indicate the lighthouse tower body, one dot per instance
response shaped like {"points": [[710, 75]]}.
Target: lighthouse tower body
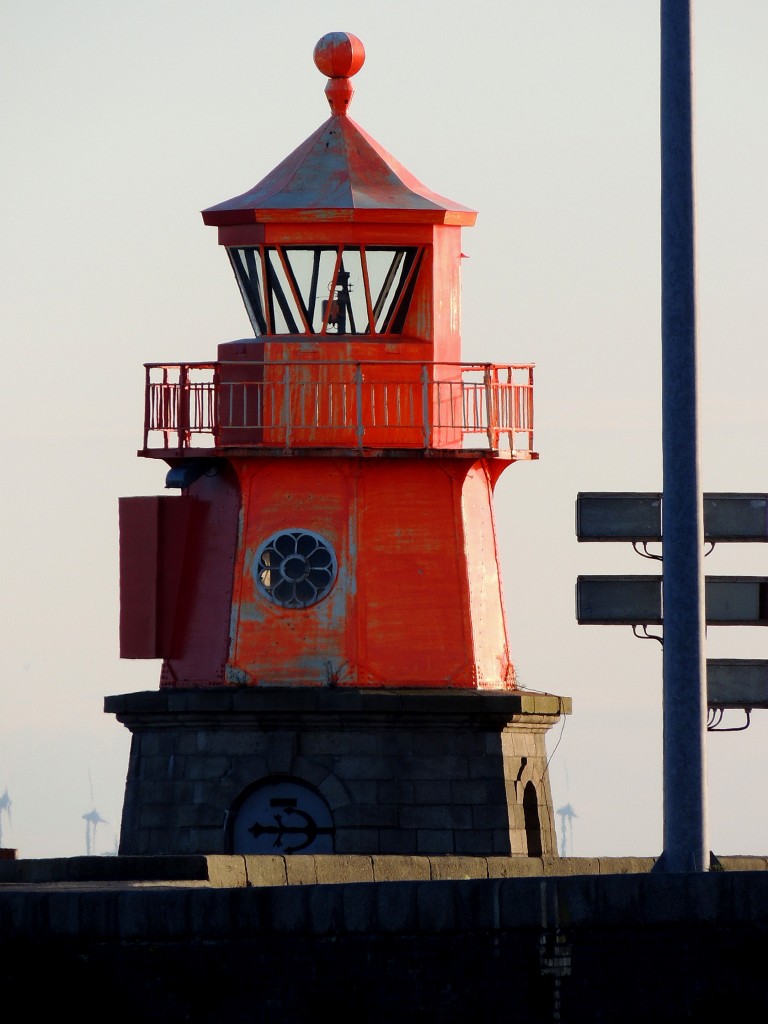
{"points": [[331, 551]]}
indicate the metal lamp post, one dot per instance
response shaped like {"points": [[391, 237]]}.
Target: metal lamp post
{"points": [[686, 845]]}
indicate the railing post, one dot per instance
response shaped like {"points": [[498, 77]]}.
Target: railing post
{"points": [[359, 404], [529, 420], [182, 406], [427, 434], [214, 404], [147, 405], [287, 404], [489, 407], [168, 408]]}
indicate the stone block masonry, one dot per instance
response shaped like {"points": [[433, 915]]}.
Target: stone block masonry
{"points": [[399, 772]]}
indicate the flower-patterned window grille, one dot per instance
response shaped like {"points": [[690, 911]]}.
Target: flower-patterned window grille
{"points": [[295, 568]]}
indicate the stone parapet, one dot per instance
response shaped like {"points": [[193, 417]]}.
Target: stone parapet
{"points": [[243, 871], [627, 947]]}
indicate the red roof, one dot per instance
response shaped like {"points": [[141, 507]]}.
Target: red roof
{"points": [[338, 170]]}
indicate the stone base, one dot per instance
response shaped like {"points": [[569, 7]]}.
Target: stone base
{"points": [[304, 770]]}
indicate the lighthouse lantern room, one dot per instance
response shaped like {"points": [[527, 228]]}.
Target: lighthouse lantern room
{"points": [[322, 587]]}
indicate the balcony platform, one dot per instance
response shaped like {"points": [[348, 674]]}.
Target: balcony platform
{"points": [[343, 407], [251, 452]]}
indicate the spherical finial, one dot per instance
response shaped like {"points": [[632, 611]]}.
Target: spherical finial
{"points": [[339, 55]]}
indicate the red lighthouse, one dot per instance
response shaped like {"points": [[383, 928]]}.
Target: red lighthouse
{"points": [[331, 552]]}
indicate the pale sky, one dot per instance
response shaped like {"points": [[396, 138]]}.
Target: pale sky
{"points": [[122, 121]]}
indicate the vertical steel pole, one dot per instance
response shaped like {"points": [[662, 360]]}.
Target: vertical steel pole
{"points": [[686, 843]]}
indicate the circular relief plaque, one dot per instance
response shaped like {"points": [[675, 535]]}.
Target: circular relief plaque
{"points": [[283, 816]]}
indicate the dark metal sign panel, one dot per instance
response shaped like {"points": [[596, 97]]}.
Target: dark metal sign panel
{"points": [[737, 683], [736, 517], [627, 516], [637, 600], [618, 600], [637, 516]]}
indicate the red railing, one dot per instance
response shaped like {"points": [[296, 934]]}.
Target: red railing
{"points": [[191, 406]]}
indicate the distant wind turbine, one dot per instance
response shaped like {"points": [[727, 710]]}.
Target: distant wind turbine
{"points": [[92, 819], [567, 814], [5, 809]]}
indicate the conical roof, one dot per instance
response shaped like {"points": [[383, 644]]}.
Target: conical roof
{"points": [[339, 172]]}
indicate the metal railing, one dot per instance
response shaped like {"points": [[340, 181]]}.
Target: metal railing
{"points": [[191, 406]]}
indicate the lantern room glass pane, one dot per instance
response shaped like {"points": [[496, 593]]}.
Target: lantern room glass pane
{"points": [[326, 289], [349, 311], [314, 271], [388, 271], [247, 266], [284, 313]]}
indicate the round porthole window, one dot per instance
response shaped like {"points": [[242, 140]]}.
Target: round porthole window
{"points": [[295, 568]]}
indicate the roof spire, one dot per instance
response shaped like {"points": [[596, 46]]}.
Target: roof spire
{"points": [[339, 55]]}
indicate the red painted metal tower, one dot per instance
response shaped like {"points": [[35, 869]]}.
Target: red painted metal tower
{"points": [[334, 530]]}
